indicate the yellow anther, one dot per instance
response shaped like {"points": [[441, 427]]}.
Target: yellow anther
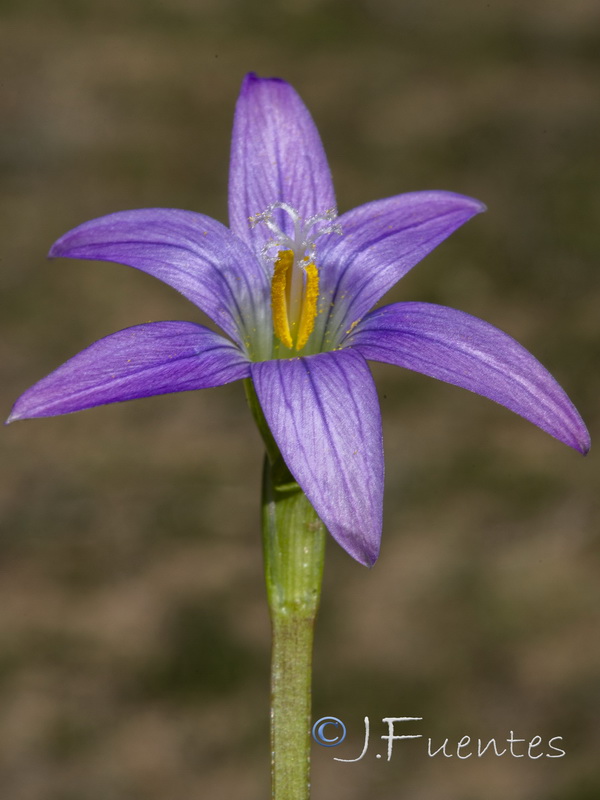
{"points": [[309, 305], [293, 333], [279, 306]]}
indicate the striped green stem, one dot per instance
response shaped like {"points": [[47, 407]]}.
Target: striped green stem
{"points": [[294, 546]]}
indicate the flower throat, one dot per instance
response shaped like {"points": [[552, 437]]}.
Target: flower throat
{"points": [[295, 281]]}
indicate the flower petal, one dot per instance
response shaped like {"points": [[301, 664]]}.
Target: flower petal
{"points": [[324, 414], [193, 253], [156, 358], [276, 156], [380, 242], [460, 349]]}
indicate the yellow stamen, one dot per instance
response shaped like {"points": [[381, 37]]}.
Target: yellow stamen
{"points": [[309, 306], [294, 333], [281, 324]]}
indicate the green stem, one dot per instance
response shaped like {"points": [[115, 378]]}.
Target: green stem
{"points": [[294, 546], [293, 541]]}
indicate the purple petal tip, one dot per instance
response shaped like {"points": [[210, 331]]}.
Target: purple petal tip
{"points": [[56, 250], [585, 445], [252, 77]]}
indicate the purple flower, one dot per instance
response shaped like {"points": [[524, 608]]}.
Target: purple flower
{"points": [[292, 286]]}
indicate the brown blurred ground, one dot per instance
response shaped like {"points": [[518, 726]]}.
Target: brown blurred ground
{"points": [[133, 631]]}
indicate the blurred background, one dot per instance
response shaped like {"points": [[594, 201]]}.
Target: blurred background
{"points": [[134, 635]]}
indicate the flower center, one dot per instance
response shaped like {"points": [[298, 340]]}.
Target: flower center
{"points": [[295, 281]]}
